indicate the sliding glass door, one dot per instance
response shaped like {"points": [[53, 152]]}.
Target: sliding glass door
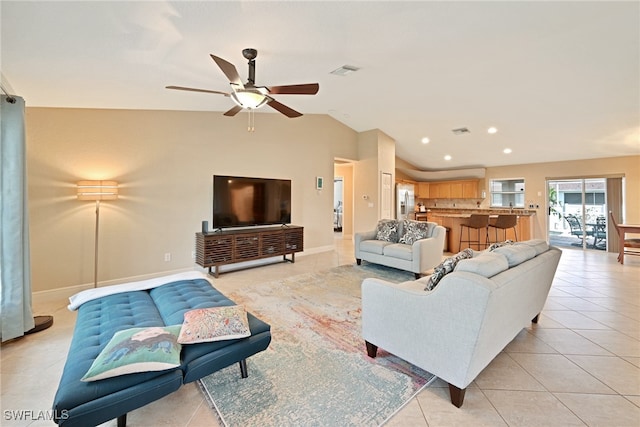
{"points": [[577, 211]]}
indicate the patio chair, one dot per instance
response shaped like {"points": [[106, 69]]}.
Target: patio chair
{"points": [[576, 228], [600, 233]]}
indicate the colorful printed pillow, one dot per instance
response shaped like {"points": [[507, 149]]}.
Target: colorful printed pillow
{"points": [[499, 245], [414, 231], [137, 350], [214, 324], [387, 230], [446, 267]]}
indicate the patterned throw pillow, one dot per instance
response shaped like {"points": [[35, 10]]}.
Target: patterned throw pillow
{"points": [[414, 231], [446, 267], [137, 350], [214, 324], [500, 244], [387, 230]]}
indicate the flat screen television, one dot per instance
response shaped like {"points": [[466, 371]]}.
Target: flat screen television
{"points": [[244, 201]]}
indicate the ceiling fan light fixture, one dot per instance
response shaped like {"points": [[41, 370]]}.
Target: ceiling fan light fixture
{"points": [[248, 98]]}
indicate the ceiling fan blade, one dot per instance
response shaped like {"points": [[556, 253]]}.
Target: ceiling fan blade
{"points": [[229, 70], [303, 89], [197, 90], [289, 112], [232, 112]]}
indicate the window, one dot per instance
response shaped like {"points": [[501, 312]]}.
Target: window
{"points": [[507, 193]]}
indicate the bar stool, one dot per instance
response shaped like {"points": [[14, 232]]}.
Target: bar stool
{"points": [[504, 222], [477, 222]]}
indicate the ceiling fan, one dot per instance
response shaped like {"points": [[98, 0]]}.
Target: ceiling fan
{"points": [[250, 96]]}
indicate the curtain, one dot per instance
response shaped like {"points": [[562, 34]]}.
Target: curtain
{"points": [[614, 204], [16, 316]]}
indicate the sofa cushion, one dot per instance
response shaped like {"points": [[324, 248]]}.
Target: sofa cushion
{"points": [[412, 231], [399, 250], [374, 246], [214, 324], [538, 245], [446, 267], [497, 245], [516, 254], [387, 230], [137, 350], [486, 264]]}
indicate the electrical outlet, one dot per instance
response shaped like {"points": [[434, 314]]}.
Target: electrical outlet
{"points": [[167, 257], [193, 254]]}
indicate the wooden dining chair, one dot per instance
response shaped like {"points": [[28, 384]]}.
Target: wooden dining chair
{"points": [[628, 243]]}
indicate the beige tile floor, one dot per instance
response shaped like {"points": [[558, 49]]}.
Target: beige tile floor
{"points": [[580, 365]]}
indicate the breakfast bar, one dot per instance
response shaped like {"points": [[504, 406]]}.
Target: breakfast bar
{"points": [[453, 218]]}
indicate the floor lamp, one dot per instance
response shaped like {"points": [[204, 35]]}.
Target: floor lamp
{"points": [[98, 191]]}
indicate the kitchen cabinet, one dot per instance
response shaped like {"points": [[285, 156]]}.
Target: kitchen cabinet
{"points": [[463, 189], [423, 190], [470, 189]]}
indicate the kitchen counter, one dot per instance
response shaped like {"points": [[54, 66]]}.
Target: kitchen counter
{"points": [[462, 212], [452, 218]]}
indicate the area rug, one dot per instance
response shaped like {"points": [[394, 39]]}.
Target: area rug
{"points": [[315, 371]]}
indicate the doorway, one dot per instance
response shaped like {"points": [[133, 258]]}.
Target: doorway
{"points": [[338, 203], [577, 213]]}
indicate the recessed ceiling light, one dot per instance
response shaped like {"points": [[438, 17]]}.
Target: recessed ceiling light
{"points": [[492, 130], [507, 151], [425, 140], [447, 157]]}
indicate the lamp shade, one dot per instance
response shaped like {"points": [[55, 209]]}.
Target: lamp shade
{"points": [[249, 98], [97, 190]]}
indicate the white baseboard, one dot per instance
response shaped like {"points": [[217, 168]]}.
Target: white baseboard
{"points": [[66, 292]]}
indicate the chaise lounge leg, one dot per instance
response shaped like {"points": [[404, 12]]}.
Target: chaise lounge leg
{"points": [[122, 420], [243, 368], [535, 319], [358, 261], [372, 350], [418, 275], [457, 395]]}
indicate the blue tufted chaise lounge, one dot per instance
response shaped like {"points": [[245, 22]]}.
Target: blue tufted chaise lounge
{"points": [[80, 403]]}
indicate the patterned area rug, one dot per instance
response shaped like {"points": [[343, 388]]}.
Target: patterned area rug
{"points": [[315, 371]]}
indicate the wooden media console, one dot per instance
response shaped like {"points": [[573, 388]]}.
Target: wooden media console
{"points": [[230, 246]]}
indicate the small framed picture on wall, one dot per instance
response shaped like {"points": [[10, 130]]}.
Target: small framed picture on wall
{"points": [[319, 183]]}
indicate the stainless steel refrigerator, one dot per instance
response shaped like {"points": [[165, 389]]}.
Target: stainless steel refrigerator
{"points": [[405, 201]]}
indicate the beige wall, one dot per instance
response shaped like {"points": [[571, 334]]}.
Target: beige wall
{"points": [[536, 174], [164, 162], [376, 154]]}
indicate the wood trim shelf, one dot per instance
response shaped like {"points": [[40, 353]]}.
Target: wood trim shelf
{"points": [[230, 246]]}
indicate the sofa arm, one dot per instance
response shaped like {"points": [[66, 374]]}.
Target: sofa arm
{"points": [[361, 237], [434, 330], [428, 252]]}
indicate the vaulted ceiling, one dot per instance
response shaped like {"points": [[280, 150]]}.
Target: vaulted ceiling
{"points": [[558, 80]]}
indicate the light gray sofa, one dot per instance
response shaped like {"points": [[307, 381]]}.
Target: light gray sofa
{"points": [[455, 330], [417, 256]]}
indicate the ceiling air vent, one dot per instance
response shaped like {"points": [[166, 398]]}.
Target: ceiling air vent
{"points": [[460, 131], [344, 70]]}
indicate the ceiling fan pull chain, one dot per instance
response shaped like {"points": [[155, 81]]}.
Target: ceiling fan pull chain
{"points": [[251, 127]]}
